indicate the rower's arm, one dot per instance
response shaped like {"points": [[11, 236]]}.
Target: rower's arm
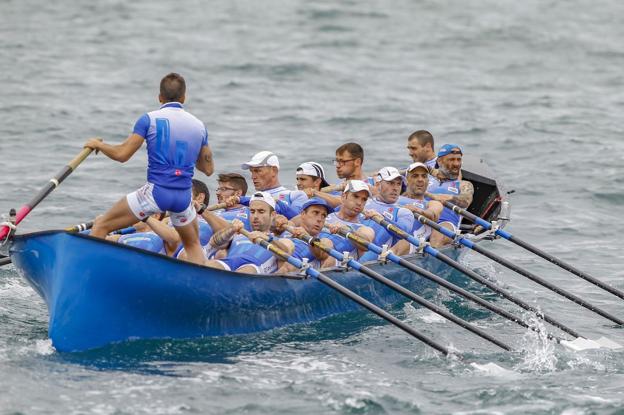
{"points": [[222, 238], [433, 211], [205, 163], [168, 234], [215, 222], [119, 152], [333, 201], [463, 200]]}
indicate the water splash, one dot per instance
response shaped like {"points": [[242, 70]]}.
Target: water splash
{"points": [[538, 351]]}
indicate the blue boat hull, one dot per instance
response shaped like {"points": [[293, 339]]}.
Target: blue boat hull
{"points": [[99, 292]]}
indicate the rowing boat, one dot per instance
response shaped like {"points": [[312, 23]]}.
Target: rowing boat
{"points": [[98, 292]]}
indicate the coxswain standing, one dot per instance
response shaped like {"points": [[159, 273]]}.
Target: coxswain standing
{"points": [[177, 142]]}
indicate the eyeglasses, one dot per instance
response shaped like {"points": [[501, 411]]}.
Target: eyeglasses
{"points": [[225, 189], [338, 162]]}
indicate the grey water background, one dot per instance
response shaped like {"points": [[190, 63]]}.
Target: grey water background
{"points": [[535, 88]]}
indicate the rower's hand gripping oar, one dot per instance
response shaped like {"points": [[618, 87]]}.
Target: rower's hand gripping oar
{"points": [[579, 343], [399, 288], [311, 272], [52, 184], [471, 245], [504, 234]]}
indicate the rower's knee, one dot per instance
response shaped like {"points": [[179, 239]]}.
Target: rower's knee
{"points": [[366, 233], [247, 269], [401, 248], [214, 264], [438, 240]]}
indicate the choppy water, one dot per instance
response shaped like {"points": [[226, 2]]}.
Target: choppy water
{"points": [[536, 88]]}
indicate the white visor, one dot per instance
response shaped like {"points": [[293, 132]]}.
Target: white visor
{"points": [[262, 159]]}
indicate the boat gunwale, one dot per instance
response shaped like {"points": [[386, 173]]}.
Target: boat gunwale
{"points": [[289, 276]]}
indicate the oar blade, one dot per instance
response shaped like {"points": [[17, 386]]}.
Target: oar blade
{"points": [[580, 344], [609, 344]]}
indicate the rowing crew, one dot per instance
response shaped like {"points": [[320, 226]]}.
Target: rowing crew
{"points": [[177, 142]]}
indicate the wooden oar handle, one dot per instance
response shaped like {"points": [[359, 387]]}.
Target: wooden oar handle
{"points": [[80, 158]]}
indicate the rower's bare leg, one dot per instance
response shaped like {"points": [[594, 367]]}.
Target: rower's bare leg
{"points": [[214, 264], [190, 239], [247, 269], [438, 240], [401, 248], [117, 217]]}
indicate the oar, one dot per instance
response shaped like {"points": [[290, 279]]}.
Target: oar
{"points": [[441, 281], [471, 245], [487, 225], [399, 288], [346, 292], [80, 228], [47, 189], [5, 261], [580, 342]]}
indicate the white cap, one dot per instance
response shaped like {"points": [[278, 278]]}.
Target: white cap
{"points": [[388, 174], [261, 159], [354, 186], [311, 168], [416, 165], [263, 197]]}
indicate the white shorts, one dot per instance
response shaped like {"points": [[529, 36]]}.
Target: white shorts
{"points": [[142, 204]]}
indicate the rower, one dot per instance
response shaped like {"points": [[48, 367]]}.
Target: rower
{"points": [[177, 142], [349, 160], [243, 255], [421, 148], [231, 187], [390, 184], [264, 169], [445, 185], [414, 199], [353, 198], [311, 179], [313, 217]]}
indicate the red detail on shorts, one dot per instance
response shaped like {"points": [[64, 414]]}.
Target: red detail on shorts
{"points": [[178, 172], [141, 214], [183, 220]]}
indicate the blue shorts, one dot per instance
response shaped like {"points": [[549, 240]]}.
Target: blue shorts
{"points": [[451, 217]]}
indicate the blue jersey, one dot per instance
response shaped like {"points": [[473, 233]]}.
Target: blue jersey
{"points": [[418, 230], [448, 187], [293, 198], [394, 212], [144, 240], [382, 236], [242, 252], [174, 140]]}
